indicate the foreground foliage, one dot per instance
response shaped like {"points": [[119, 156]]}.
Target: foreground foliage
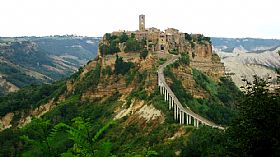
{"points": [[255, 132]]}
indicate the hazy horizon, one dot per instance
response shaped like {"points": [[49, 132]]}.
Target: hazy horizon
{"points": [[214, 18]]}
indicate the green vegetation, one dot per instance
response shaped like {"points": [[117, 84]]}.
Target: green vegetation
{"points": [[143, 54], [16, 76], [89, 81], [174, 51], [123, 38], [206, 142], [223, 96], [197, 38], [183, 60], [188, 37], [78, 47], [202, 39], [110, 48], [31, 55], [131, 45], [30, 97], [254, 132], [78, 135], [162, 61], [79, 127], [122, 67]]}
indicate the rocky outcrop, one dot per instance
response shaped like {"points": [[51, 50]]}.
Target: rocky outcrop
{"points": [[202, 53], [212, 69], [25, 118], [7, 86], [141, 113], [5, 122]]}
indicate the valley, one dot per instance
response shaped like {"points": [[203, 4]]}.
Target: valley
{"points": [[36, 60], [144, 93]]}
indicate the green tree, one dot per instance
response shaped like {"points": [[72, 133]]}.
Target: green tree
{"points": [[44, 139], [39, 130], [122, 67], [185, 59], [188, 37], [113, 48], [143, 54], [205, 142], [132, 45], [123, 38], [256, 131], [104, 49]]}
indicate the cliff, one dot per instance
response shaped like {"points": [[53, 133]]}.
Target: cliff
{"points": [[123, 86]]}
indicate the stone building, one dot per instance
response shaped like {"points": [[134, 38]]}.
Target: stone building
{"points": [[170, 40]]}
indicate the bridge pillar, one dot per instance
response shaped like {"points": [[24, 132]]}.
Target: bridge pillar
{"points": [[175, 107], [178, 112], [183, 117], [180, 118], [196, 122], [164, 93]]}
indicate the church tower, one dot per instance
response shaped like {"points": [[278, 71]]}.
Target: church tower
{"points": [[141, 22]]}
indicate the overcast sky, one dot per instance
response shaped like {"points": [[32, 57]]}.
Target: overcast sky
{"points": [[221, 18]]}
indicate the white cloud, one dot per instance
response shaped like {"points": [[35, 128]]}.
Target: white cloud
{"points": [[229, 18]]}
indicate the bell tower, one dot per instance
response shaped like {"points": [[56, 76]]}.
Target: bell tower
{"points": [[142, 22]]}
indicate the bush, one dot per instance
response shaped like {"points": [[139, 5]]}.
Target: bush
{"points": [[122, 67], [132, 45], [185, 59], [174, 51], [30, 97], [204, 82], [90, 81], [143, 54]]}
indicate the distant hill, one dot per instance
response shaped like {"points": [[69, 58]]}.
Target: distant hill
{"points": [[35, 60], [247, 44], [244, 57]]}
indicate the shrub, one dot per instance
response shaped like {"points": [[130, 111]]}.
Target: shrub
{"points": [[144, 54], [122, 67]]}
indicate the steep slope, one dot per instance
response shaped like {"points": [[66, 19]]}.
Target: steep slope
{"points": [[34, 60], [123, 88]]}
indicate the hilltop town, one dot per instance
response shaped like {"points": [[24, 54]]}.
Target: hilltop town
{"points": [[169, 41]]}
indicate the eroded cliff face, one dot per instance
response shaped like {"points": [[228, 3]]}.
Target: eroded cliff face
{"points": [[110, 84], [21, 118], [203, 59], [202, 53], [5, 122]]}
